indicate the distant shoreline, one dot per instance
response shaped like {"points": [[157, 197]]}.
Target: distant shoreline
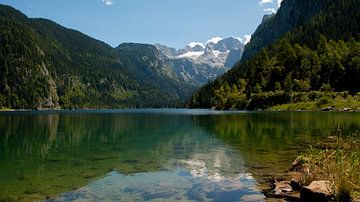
{"points": [[347, 110]]}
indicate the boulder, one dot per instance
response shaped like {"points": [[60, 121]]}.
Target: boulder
{"points": [[317, 191], [327, 109], [347, 109], [282, 187], [282, 192], [295, 184]]}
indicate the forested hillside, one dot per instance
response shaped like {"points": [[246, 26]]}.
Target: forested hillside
{"points": [[316, 61], [291, 14], [45, 65]]}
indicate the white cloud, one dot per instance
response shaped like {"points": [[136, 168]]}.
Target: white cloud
{"points": [[269, 10], [238, 38], [262, 2], [108, 2], [272, 3], [246, 39]]}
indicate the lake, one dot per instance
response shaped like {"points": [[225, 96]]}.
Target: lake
{"points": [[153, 154]]}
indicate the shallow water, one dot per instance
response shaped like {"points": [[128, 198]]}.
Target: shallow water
{"points": [[153, 155]]}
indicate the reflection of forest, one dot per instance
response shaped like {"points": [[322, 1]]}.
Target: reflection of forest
{"points": [[269, 142], [45, 154], [51, 153]]}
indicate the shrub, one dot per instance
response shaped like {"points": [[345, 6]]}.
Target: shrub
{"points": [[266, 100], [323, 101]]}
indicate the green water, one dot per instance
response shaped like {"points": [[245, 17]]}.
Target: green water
{"points": [[137, 155]]}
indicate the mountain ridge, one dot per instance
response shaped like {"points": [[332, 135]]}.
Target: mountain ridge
{"points": [[46, 65], [199, 63], [276, 25], [315, 61]]}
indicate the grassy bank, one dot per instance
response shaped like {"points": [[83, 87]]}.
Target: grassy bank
{"points": [[5, 109], [321, 102], [336, 159]]}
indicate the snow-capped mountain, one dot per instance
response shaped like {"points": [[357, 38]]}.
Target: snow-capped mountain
{"points": [[200, 62], [215, 51]]}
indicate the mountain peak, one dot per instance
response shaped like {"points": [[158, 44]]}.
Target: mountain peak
{"points": [[214, 40], [196, 43]]}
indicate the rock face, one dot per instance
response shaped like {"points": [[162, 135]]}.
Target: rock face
{"points": [[233, 57], [317, 191], [166, 52], [193, 72], [199, 63], [225, 45], [292, 14]]}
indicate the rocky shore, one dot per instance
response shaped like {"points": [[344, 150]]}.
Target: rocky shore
{"points": [[327, 172], [289, 187]]}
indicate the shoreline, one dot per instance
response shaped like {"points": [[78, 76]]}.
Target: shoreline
{"points": [[272, 109], [340, 106], [319, 173]]}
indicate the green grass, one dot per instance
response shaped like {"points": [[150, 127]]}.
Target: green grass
{"points": [[336, 102], [338, 161], [5, 109]]}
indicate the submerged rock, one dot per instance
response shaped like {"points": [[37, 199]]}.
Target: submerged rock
{"points": [[147, 196], [253, 198], [317, 191]]}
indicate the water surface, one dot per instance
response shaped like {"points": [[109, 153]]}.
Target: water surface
{"points": [[152, 155]]}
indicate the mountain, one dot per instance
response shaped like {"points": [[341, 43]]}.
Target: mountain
{"points": [[199, 63], [308, 52], [45, 65], [193, 47], [291, 14], [166, 52], [233, 57]]}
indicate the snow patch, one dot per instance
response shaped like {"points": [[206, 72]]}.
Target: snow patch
{"points": [[214, 40], [194, 54], [217, 53], [195, 43]]}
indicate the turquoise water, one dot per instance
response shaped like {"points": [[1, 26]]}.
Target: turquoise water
{"points": [[153, 155]]}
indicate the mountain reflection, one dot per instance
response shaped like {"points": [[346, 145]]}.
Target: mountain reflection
{"points": [[45, 154]]}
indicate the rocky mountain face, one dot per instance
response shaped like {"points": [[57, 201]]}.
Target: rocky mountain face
{"points": [[291, 14], [199, 63], [45, 65]]}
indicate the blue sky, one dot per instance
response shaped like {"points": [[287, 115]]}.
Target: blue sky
{"points": [[170, 22]]}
